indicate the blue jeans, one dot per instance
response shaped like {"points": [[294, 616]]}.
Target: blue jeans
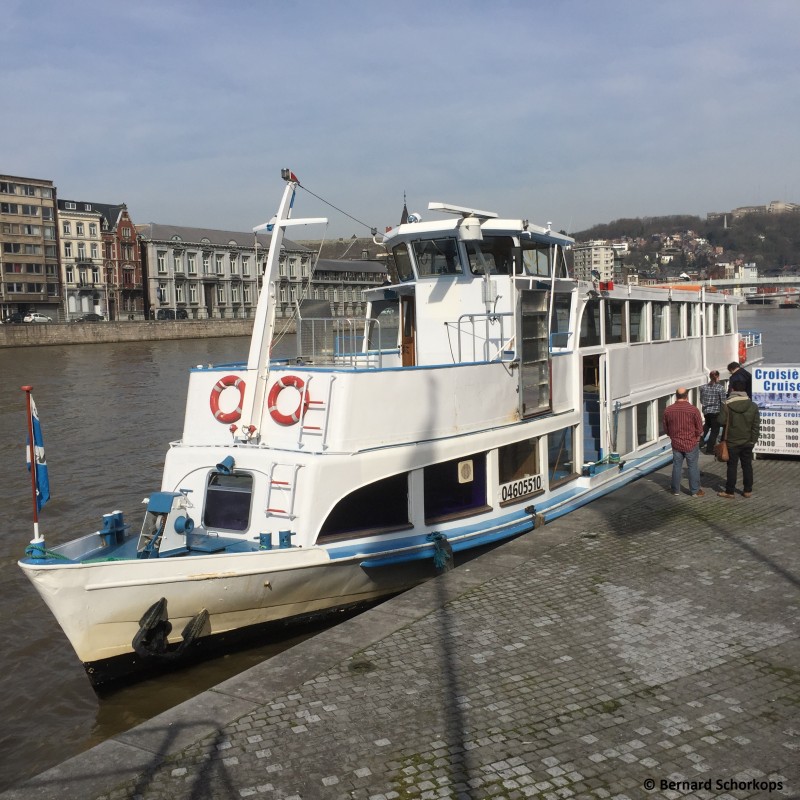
{"points": [[692, 462]]}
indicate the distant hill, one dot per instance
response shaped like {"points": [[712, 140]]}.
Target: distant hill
{"points": [[772, 241]]}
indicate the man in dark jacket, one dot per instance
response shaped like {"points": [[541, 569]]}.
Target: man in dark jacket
{"points": [[740, 381], [741, 422]]}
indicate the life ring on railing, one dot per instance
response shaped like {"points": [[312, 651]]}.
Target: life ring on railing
{"points": [[742, 351], [272, 400], [219, 386]]}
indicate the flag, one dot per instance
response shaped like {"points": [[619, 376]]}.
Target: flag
{"points": [[42, 478]]}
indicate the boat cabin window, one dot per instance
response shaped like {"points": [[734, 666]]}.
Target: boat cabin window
{"points": [[662, 404], [561, 456], [494, 255], [615, 322], [675, 327], [228, 500], [437, 257], [691, 319], [520, 476], [383, 324], [658, 319], [644, 426], [560, 329], [590, 323], [377, 507], [636, 320], [455, 488], [402, 263]]}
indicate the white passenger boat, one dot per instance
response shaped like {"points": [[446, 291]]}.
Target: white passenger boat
{"points": [[487, 393]]}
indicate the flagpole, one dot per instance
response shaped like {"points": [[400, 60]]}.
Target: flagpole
{"points": [[32, 455]]}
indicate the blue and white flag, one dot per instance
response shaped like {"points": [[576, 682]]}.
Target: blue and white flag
{"points": [[42, 478]]}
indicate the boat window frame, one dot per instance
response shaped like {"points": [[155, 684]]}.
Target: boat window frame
{"points": [[433, 486], [221, 490], [609, 304], [401, 255], [641, 327], [478, 245], [454, 266], [566, 477]]}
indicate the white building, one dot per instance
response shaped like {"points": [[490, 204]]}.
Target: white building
{"points": [[593, 257], [82, 273]]}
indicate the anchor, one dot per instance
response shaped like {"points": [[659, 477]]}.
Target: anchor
{"points": [[151, 640]]}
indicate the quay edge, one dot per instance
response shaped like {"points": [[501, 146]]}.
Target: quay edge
{"points": [[644, 625]]}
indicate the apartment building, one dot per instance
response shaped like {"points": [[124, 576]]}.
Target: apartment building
{"points": [[86, 288], [593, 261], [199, 273], [29, 274]]}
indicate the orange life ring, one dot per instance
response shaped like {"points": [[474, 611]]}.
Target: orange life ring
{"points": [[219, 386], [742, 351], [272, 400]]}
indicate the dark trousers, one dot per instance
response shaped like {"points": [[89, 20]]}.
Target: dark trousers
{"points": [[711, 424], [740, 453]]}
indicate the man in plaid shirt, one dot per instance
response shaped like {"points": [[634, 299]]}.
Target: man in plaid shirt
{"points": [[684, 426], [712, 396]]}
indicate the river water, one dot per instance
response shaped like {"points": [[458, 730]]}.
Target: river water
{"points": [[108, 412]]}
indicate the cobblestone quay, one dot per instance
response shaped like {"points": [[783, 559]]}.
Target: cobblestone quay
{"points": [[644, 646]]}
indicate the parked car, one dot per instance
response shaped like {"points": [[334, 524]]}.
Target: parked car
{"points": [[89, 318], [35, 316], [169, 313], [14, 318]]}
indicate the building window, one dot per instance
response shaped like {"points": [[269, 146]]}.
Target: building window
{"points": [[179, 293], [67, 249], [246, 293], [245, 265], [81, 250], [66, 229], [94, 250], [163, 294], [219, 263], [162, 262], [178, 261], [95, 275], [192, 259], [234, 264], [79, 229], [92, 229], [220, 295], [234, 294], [192, 292], [206, 264]]}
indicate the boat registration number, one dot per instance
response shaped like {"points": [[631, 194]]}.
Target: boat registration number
{"points": [[523, 487]]}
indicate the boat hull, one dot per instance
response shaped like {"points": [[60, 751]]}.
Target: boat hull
{"points": [[100, 606]]}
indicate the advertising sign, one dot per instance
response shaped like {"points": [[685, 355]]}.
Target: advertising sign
{"points": [[776, 391]]}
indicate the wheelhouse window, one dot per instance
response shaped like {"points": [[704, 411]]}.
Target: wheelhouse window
{"points": [[402, 263], [615, 322], [493, 256], [561, 456], [228, 501], [520, 476], [376, 507], [455, 488], [691, 319], [437, 257]]}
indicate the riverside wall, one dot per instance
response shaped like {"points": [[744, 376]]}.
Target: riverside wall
{"points": [[39, 334]]}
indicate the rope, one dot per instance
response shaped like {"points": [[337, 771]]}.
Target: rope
{"points": [[370, 228], [42, 553], [442, 552]]}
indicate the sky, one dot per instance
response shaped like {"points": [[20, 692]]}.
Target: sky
{"points": [[574, 113]]}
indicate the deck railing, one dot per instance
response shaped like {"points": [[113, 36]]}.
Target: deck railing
{"points": [[339, 341], [492, 347]]}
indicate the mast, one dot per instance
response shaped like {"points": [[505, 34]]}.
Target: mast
{"points": [[264, 323]]}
